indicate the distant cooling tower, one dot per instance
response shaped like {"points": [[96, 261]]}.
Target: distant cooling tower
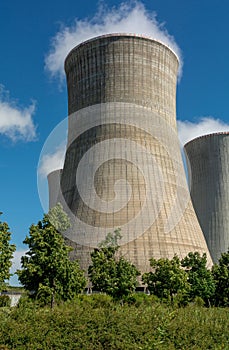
{"points": [[208, 158], [123, 166], [54, 186]]}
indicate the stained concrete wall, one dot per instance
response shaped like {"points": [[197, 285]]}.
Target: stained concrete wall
{"points": [[123, 68], [208, 158], [123, 166], [54, 186]]}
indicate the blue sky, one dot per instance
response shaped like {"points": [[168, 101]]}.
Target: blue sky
{"points": [[33, 96]]}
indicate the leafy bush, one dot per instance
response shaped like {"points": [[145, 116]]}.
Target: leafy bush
{"points": [[4, 300], [110, 274], [6, 253], [100, 300], [179, 282], [220, 273], [46, 267], [198, 302], [96, 322], [141, 299], [167, 278], [3, 347]]}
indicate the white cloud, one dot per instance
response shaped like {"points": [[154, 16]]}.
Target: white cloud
{"points": [[15, 122], [205, 125], [16, 261], [16, 265], [52, 161], [127, 18]]}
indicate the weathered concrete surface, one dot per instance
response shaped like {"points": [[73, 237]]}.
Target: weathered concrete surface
{"points": [[122, 98], [54, 186], [208, 158]]}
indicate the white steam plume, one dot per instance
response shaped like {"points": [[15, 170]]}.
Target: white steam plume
{"points": [[52, 161], [15, 122], [132, 18], [205, 125]]}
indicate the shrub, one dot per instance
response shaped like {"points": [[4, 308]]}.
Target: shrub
{"points": [[100, 300], [85, 324], [4, 301], [3, 347]]}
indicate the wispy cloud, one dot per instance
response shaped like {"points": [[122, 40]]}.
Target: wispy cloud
{"points": [[204, 125], [52, 161], [15, 122], [129, 17], [16, 265]]}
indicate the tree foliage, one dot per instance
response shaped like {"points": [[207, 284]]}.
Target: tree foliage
{"points": [[46, 268], [6, 253], [111, 239], [220, 273], [200, 278], [108, 273], [97, 322], [58, 218], [167, 278]]}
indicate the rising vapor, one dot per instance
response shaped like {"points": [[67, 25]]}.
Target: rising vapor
{"points": [[205, 125], [127, 18], [52, 161]]}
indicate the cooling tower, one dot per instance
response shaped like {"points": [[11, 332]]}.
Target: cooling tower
{"points": [[54, 186], [208, 158], [123, 167]]}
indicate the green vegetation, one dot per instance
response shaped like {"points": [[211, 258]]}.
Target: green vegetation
{"points": [[111, 274], [220, 273], [58, 218], [4, 300], [167, 279], [47, 271], [49, 275], [172, 317], [200, 279], [98, 322], [6, 253]]}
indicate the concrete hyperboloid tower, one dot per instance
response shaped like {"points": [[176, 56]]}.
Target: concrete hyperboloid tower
{"points": [[123, 167], [208, 158]]}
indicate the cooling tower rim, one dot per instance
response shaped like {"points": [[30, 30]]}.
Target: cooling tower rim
{"points": [[122, 35], [220, 133], [54, 172]]}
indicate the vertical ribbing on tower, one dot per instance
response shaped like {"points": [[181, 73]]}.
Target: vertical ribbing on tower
{"points": [[208, 158], [122, 97]]}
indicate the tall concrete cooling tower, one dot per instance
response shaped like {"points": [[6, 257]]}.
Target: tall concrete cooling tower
{"points": [[208, 158], [123, 167]]}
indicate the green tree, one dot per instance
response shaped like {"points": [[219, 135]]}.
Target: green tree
{"points": [[199, 277], [111, 239], [58, 218], [111, 274], [167, 278], [6, 253], [220, 273], [46, 267]]}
